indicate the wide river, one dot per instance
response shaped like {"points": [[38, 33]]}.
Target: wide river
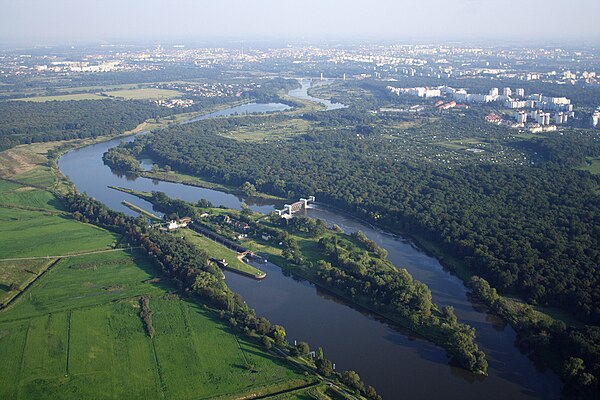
{"points": [[386, 356]]}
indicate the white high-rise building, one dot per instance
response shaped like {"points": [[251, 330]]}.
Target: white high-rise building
{"points": [[522, 117], [494, 92], [520, 92], [543, 118], [507, 92], [595, 118]]}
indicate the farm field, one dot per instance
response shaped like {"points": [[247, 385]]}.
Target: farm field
{"points": [[32, 221], [127, 92], [15, 275], [78, 334], [25, 233], [143, 94]]}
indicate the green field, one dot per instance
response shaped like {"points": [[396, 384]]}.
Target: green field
{"points": [[19, 273], [144, 94], [32, 221], [269, 132], [462, 144], [214, 249], [84, 281], [78, 334], [25, 233], [26, 196], [591, 165], [127, 92], [63, 97]]}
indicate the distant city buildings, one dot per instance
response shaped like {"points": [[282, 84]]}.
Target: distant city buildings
{"points": [[521, 117], [416, 91], [546, 112]]}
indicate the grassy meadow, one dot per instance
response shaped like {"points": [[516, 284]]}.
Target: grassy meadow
{"points": [[127, 92], [78, 334], [216, 250], [143, 94], [591, 165]]}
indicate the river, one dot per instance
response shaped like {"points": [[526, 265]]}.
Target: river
{"points": [[386, 356]]}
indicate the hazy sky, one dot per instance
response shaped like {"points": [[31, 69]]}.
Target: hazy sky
{"points": [[44, 21]]}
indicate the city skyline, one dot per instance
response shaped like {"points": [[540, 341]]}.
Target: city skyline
{"points": [[66, 21]]}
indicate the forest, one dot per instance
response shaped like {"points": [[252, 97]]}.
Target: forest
{"points": [[532, 230], [28, 122], [529, 228]]}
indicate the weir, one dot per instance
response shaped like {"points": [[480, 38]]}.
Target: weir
{"points": [[288, 210]]}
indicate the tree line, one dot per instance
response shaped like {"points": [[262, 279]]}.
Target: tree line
{"points": [[24, 122], [195, 275], [578, 350]]}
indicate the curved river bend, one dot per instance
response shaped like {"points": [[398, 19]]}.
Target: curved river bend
{"points": [[399, 365]]}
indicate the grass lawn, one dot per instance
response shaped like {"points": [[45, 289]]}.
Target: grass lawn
{"points": [[216, 250], [144, 94]]}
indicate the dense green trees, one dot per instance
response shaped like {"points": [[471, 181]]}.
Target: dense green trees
{"points": [[28, 122], [119, 159], [576, 352], [366, 275]]}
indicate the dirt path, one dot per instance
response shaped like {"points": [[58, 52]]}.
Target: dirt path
{"points": [[70, 255]]}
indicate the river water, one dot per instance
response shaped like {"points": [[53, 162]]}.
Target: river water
{"points": [[386, 356]]}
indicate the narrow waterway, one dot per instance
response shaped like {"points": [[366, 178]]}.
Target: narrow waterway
{"points": [[302, 93], [399, 365]]}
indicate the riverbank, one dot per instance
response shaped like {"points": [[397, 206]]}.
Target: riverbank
{"points": [[59, 148], [218, 251], [185, 179], [310, 249], [529, 322], [377, 285]]}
